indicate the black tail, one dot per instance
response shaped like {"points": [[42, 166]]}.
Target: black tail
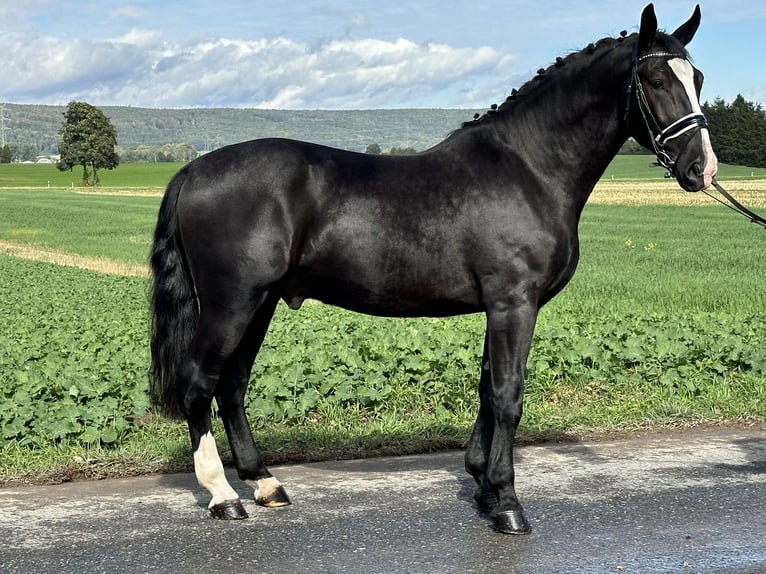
{"points": [[174, 306]]}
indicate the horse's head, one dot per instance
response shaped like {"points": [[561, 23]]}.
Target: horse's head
{"points": [[664, 109]]}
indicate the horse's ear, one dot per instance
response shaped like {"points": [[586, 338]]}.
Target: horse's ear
{"points": [[686, 31], [648, 31]]}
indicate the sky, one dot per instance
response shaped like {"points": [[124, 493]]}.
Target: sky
{"points": [[327, 54]]}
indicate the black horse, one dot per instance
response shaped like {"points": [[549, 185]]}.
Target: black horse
{"points": [[486, 221]]}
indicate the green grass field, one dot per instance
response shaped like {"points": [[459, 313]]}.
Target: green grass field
{"points": [[132, 175], [640, 167], [662, 325], [115, 227], [657, 256]]}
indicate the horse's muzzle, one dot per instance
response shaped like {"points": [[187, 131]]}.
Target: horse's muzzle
{"points": [[697, 165]]}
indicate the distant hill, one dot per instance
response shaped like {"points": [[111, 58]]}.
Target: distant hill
{"points": [[209, 128]]}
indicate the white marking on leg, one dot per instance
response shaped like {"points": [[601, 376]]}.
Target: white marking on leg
{"points": [[685, 73], [209, 471], [264, 487]]}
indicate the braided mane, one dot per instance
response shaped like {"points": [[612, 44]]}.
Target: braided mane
{"points": [[530, 87]]}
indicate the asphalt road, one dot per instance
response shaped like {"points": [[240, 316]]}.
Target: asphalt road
{"points": [[684, 503]]}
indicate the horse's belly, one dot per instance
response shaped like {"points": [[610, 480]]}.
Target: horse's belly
{"points": [[391, 296]]}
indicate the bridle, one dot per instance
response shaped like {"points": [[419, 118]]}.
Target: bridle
{"points": [[659, 136]]}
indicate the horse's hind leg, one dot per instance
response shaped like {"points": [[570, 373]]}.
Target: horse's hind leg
{"points": [[216, 337], [230, 395]]}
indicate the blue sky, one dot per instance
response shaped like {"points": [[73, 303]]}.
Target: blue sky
{"points": [[325, 54]]}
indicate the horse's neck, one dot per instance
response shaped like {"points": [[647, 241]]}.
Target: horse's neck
{"points": [[572, 131]]}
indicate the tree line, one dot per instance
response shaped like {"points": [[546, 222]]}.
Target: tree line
{"points": [[17, 152], [737, 131], [171, 152]]}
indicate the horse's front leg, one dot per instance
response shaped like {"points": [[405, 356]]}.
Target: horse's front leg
{"points": [[477, 451], [509, 337]]}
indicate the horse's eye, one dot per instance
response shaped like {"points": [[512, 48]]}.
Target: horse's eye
{"points": [[656, 84]]}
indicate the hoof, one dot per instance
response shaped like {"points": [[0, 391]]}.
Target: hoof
{"points": [[274, 499], [485, 501], [511, 522], [228, 510]]}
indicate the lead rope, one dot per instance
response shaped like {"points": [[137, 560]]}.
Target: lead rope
{"points": [[735, 205]]}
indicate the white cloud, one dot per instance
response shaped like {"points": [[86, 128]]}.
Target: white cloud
{"points": [[146, 39], [51, 65], [139, 69]]}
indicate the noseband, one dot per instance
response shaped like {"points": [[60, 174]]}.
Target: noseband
{"points": [[660, 136]]}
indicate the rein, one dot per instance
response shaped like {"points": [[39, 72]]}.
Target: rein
{"points": [[659, 136], [735, 205]]}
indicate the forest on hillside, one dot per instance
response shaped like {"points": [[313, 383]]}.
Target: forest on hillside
{"points": [[737, 129], [209, 128]]}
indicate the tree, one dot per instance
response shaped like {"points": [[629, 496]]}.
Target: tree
{"points": [[153, 154], [5, 154], [632, 147], [88, 139], [737, 131], [409, 150], [23, 152], [373, 149]]}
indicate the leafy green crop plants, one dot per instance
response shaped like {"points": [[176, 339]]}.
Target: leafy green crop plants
{"points": [[73, 354]]}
